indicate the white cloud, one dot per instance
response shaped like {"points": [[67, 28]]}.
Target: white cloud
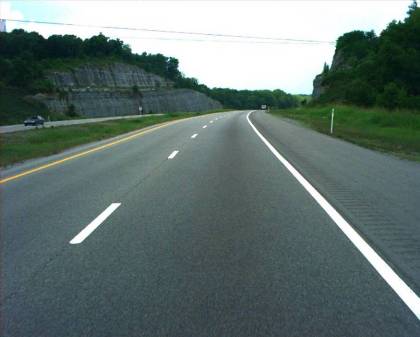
{"points": [[6, 11], [237, 65]]}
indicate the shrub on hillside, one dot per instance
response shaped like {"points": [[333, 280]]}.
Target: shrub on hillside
{"points": [[360, 93], [392, 97], [71, 111]]}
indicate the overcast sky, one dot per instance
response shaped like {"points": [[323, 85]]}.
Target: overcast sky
{"points": [[221, 62]]}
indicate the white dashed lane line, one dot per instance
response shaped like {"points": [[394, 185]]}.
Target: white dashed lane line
{"points": [[79, 238], [173, 154]]}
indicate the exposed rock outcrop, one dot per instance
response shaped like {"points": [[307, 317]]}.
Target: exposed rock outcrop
{"points": [[115, 75], [319, 89], [339, 62], [105, 102], [177, 100], [119, 89]]}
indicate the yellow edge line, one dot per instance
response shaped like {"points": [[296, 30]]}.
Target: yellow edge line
{"points": [[84, 153]]}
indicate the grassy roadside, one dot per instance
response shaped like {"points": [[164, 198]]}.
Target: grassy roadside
{"points": [[19, 146], [14, 108], [396, 132]]}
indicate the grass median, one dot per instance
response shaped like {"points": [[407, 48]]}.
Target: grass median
{"points": [[396, 132], [20, 146]]}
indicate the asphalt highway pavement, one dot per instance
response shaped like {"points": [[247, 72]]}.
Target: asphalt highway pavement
{"points": [[198, 229], [21, 127]]}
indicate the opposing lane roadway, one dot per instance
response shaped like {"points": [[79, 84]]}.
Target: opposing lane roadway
{"points": [[21, 127], [219, 240]]}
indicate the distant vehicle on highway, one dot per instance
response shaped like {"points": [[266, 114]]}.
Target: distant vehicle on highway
{"points": [[35, 120]]}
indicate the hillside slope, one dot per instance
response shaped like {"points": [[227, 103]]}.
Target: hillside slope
{"points": [[372, 70], [118, 89], [97, 67]]}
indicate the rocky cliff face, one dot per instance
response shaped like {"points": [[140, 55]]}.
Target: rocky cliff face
{"points": [[115, 75], [177, 100], [106, 102], [119, 89], [319, 88], [338, 62]]}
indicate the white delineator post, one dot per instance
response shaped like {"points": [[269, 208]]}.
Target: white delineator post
{"points": [[332, 121]]}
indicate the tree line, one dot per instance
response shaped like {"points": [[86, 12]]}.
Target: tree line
{"points": [[26, 56], [379, 70]]}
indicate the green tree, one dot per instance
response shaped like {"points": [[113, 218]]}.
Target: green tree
{"points": [[172, 71], [97, 46], [71, 111], [392, 97], [412, 8], [361, 93], [64, 46], [368, 64]]}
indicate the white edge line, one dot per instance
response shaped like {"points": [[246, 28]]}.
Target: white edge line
{"points": [[194, 135], [407, 295], [173, 154], [204, 126], [79, 238]]}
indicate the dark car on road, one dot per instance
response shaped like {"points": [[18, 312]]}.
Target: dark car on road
{"points": [[35, 120]]}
